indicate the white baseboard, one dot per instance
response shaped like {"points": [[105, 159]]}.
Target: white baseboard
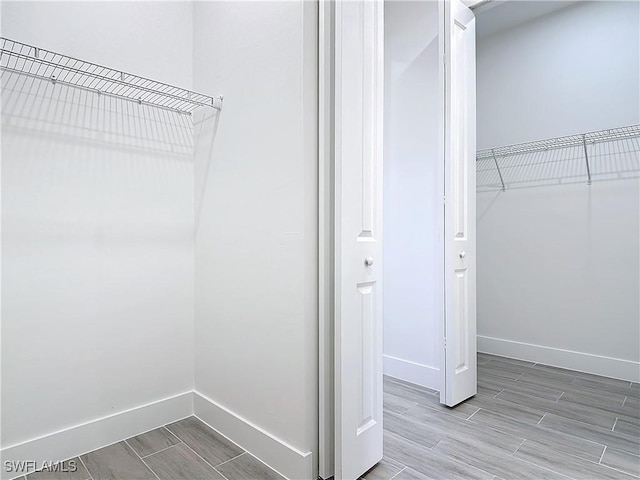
{"points": [[79, 439], [282, 457], [412, 372], [583, 362]]}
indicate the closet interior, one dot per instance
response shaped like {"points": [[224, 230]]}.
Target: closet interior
{"points": [[98, 226], [558, 167]]}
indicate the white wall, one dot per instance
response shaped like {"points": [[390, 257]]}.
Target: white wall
{"points": [[413, 288], [559, 266], [572, 71], [256, 246], [97, 220], [151, 39]]}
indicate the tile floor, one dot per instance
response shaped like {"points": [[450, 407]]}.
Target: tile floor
{"points": [[528, 421], [187, 449]]}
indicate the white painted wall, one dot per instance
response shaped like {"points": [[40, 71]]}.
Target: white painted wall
{"points": [[572, 71], [256, 246], [97, 267], [413, 175], [559, 266], [151, 39]]}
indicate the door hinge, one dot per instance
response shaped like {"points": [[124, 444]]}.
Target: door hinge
{"points": [[444, 58], [445, 343]]}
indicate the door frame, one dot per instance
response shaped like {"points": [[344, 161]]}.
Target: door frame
{"points": [[327, 231], [326, 237]]}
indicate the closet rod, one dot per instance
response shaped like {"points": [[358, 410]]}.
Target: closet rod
{"points": [[36, 62]]}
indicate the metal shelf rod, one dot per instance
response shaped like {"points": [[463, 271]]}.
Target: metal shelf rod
{"points": [[499, 172], [586, 159]]}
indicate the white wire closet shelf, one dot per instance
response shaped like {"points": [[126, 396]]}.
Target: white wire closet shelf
{"points": [[600, 155], [57, 68]]}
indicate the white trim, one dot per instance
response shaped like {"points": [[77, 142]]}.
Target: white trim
{"points": [[85, 437], [557, 357], [411, 372], [276, 453], [325, 239]]}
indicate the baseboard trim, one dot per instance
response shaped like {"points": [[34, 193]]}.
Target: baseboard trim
{"points": [[279, 455], [411, 372], [583, 362], [79, 439]]}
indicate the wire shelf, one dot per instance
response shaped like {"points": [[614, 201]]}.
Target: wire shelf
{"points": [[600, 155], [61, 69]]}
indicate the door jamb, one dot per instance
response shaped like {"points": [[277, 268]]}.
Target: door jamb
{"points": [[326, 239]]}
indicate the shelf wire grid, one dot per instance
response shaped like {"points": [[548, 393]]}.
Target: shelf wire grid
{"points": [[600, 155], [61, 69]]}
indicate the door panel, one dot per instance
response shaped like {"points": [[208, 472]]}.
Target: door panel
{"points": [[460, 195], [358, 227]]}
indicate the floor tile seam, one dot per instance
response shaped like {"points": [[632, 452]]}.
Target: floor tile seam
{"points": [[539, 466], [547, 468], [585, 401], [231, 459], [613, 429], [477, 410], [620, 471], [161, 450], [166, 427], [518, 447], [564, 415], [548, 430], [142, 460], [498, 411], [494, 428], [602, 456], [563, 434], [416, 443], [398, 473], [85, 467], [205, 461], [584, 460], [619, 435], [451, 457], [513, 418], [576, 390], [540, 421]]}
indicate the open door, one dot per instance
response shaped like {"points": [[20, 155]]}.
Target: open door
{"points": [[460, 374], [358, 232]]}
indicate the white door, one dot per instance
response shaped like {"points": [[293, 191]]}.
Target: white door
{"points": [[460, 204], [358, 232]]}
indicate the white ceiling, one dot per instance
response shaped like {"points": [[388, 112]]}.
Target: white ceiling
{"points": [[495, 16]]}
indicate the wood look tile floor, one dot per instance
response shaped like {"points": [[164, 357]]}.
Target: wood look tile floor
{"points": [[528, 421], [184, 450]]}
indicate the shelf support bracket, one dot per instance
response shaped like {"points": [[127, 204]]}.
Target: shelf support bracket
{"points": [[498, 168], [586, 158]]}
